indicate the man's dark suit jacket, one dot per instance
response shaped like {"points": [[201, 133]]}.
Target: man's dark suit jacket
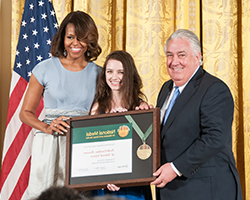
{"points": [[197, 138]]}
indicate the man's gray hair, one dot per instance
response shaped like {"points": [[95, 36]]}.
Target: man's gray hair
{"points": [[188, 36]]}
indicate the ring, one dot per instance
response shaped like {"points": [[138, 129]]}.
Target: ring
{"points": [[55, 125]]}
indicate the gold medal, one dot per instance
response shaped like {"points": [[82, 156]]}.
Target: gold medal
{"points": [[144, 151], [123, 131]]}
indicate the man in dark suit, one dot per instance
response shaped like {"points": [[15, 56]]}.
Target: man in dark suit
{"points": [[196, 137]]}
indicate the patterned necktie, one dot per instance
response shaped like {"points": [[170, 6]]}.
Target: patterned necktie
{"points": [[171, 104]]}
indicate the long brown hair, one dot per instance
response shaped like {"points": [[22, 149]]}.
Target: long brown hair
{"points": [[130, 88], [85, 30]]}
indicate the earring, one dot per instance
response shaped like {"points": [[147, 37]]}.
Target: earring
{"points": [[65, 53], [88, 53]]}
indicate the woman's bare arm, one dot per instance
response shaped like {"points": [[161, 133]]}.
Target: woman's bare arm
{"points": [[28, 111]]}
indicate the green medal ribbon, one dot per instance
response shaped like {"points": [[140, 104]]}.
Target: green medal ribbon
{"points": [[137, 128]]}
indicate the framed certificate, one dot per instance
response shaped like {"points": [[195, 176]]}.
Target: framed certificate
{"points": [[119, 148]]}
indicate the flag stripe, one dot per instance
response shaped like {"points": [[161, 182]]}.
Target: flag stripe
{"points": [[22, 183], [12, 128], [21, 161], [15, 147], [16, 97], [14, 79]]}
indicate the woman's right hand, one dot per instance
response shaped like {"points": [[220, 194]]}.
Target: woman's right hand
{"points": [[118, 110], [113, 187]]}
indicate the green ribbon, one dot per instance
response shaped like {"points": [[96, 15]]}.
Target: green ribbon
{"points": [[138, 130]]}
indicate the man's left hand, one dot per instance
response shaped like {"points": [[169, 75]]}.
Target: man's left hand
{"points": [[144, 106]]}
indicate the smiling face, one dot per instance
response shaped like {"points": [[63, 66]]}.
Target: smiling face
{"points": [[181, 61], [114, 74], [75, 48]]}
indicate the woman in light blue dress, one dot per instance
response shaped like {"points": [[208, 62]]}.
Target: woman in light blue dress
{"points": [[67, 83], [119, 89]]}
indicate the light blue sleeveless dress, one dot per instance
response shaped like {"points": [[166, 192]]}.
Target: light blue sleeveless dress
{"points": [[65, 93]]}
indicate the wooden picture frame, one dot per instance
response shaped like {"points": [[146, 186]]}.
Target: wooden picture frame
{"points": [[87, 134]]}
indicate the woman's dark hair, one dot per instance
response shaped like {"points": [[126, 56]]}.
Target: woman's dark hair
{"points": [[85, 30], [60, 193], [130, 88]]}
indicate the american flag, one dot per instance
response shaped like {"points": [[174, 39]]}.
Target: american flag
{"points": [[38, 27]]}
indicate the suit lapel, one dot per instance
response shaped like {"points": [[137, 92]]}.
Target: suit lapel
{"points": [[186, 94]]}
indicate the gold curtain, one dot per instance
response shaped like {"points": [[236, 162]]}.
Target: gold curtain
{"points": [[226, 44], [141, 27]]}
